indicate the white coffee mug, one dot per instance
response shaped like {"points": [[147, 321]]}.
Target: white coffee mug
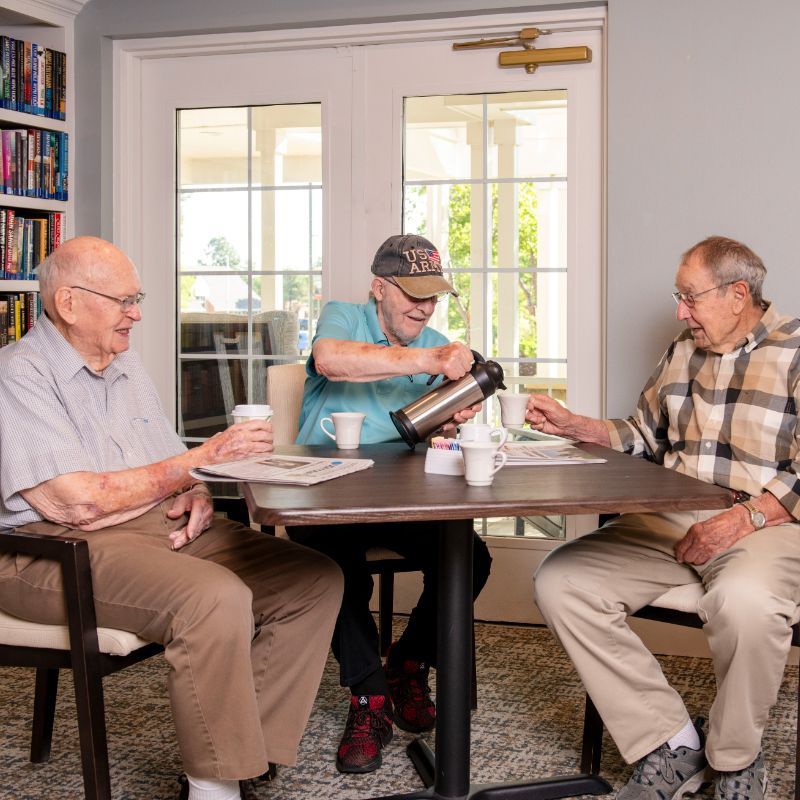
{"points": [[243, 413], [481, 432], [346, 428], [512, 409], [481, 461]]}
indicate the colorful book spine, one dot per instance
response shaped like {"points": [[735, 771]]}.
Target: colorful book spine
{"points": [[5, 61]]}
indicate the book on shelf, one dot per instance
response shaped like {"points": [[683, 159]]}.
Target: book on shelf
{"points": [[547, 452], [35, 163], [297, 470], [27, 237], [18, 314], [33, 78]]}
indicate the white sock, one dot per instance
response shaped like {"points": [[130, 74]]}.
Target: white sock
{"points": [[685, 737], [202, 789]]}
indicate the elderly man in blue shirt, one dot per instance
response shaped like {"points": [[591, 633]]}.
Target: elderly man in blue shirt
{"points": [[374, 358]]}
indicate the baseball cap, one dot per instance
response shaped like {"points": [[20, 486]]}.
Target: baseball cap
{"points": [[415, 265]]}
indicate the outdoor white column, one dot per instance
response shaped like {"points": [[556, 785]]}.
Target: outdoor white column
{"points": [[479, 241], [265, 142], [505, 137]]}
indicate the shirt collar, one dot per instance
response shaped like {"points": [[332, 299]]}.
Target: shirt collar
{"points": [[769, 321], [375, 330], [66, 360]]}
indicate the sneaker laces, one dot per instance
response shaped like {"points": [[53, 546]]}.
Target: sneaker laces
{"points": [[412, 686], [359, 723], [654, 764], [738, 785]]}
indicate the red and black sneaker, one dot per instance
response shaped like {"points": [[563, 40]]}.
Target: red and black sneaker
{"points": [[367, 731], [414, 710]]}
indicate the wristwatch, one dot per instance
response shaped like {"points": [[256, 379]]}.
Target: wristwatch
{"points": [[757, 518]]}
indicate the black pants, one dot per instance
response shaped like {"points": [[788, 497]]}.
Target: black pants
{"points": [[355, 637]]}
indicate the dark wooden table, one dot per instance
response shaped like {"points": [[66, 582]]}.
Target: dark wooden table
{"points": [[397, 488]]}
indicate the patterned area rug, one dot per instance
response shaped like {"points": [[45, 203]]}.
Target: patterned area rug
{"points": [[528, 724]]}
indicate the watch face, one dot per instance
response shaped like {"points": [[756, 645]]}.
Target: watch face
{"points": [[759, 520]]}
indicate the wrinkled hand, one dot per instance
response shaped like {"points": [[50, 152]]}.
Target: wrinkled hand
{"points": [[451, 360], [238, 441], [548, 416], [462, 416], [197, 504], [707, 539]]}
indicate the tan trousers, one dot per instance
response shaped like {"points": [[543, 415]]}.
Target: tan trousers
{"points": [[586, 587], [245, 618]]}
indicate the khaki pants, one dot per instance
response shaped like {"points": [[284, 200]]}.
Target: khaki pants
{"points": [[586, 587], [245, 619]]}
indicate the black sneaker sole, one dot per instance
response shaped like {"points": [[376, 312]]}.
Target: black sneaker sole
{"points": [[370, 766]]}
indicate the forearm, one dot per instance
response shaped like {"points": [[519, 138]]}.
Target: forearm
{"points": [[92, 500], [587, 429], [361, 362]]}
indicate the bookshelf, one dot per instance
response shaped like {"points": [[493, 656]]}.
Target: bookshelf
{"points": [[47, 24]]}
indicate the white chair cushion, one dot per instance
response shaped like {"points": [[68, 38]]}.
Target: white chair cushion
{"points": [[686, 598], [20, 632]]}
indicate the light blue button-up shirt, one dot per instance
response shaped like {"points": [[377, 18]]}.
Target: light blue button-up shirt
{"points": [[60, 416], [359, 323]]}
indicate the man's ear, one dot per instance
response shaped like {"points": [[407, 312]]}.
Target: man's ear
{"points": [[741, 293], [63, 302], [377, 288]]}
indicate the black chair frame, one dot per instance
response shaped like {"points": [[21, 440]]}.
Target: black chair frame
{"points": [[88, 664], [593, 724]]}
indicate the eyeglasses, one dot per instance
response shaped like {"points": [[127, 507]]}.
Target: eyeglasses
{"points": [[125, 303], [435, 298], [689, 299]]}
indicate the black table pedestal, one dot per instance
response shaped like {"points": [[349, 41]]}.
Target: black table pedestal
{"points": [[450, 768]]}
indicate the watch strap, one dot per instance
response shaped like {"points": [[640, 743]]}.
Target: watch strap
{"points": [[757, 518]]}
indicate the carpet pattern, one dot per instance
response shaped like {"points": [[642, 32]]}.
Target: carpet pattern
{"points": [[528, 724]]}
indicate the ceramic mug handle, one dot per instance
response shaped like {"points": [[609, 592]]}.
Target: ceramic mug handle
{"points": [[503, 458], [325, 430], [503, 435]]}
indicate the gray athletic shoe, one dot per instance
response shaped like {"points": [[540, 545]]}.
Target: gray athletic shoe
{"points": [[668, 774], [749, 783]]}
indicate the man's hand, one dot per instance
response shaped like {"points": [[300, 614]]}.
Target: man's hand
{"points": [[464, 415], [707, 539], [452, 360], [548, 415], [197, 504], [238, 441], [704, 540]]}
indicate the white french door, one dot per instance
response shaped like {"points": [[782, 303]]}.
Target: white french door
{"points": [[414, 136]]}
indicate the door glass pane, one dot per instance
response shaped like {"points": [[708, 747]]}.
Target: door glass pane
{"points": [[249, 223], [485, 179]]}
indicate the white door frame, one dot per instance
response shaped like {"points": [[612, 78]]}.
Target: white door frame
{"points": [[132, 115], [131, 56]]}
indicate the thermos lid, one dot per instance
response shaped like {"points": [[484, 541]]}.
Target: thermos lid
{"points": [[488, 375]]}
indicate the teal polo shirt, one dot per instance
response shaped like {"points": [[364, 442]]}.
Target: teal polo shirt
{"points": [[359, 323]]}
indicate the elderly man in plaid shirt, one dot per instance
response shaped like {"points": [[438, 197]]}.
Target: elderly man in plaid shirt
{"points": [[721, 406]]}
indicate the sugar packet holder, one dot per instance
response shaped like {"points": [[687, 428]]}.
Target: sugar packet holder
{"points": [[444, 462]]}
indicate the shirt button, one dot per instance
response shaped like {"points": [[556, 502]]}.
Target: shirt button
{"points": [[708, 445]]}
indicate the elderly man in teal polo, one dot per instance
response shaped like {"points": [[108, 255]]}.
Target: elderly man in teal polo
{"points": [[374, 358]]}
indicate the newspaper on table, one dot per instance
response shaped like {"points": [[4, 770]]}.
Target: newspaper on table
{"points": [[297, 470], [547, 452]]}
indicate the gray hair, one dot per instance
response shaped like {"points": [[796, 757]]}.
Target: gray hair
{"points": [[730, 261]]}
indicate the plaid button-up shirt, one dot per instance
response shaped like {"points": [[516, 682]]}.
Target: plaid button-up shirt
{"points": [[729, 419]]}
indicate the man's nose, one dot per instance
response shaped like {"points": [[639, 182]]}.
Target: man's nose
{"points": [[683, 311], [135, 313]]}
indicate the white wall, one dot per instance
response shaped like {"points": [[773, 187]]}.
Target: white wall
{"points": [[703, 124]]}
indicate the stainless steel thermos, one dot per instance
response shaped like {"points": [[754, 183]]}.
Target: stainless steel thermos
{"points": [[418, 420]]}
